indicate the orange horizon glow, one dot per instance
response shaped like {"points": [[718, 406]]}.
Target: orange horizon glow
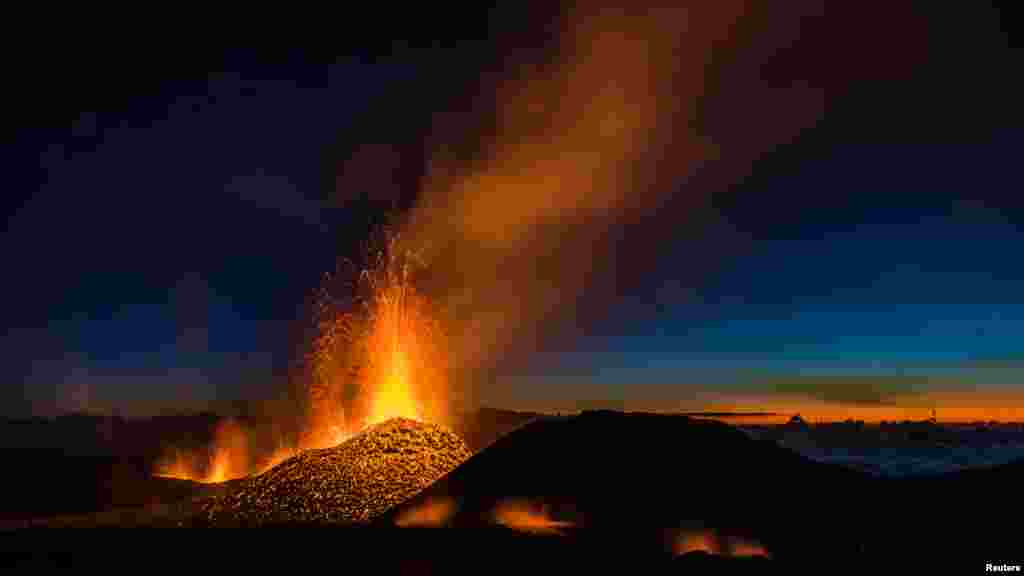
{"points": [[963, 407], [950, 407]]}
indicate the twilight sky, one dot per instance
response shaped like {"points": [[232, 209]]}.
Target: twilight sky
{"points": [[168, 216]]}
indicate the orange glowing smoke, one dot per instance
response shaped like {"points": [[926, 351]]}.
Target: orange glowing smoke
{"points": [[528, 517], [594, 138], [708, 541], [228, 458], [433, 513]]}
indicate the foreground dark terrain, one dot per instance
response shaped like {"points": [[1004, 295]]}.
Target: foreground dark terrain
{"points": [[605, 486]]}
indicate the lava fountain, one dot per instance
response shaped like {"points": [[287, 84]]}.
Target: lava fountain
{"points": [[384, 357], [379, 353]]}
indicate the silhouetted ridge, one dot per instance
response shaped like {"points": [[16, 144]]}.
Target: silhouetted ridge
{"points": [[610, 470]]}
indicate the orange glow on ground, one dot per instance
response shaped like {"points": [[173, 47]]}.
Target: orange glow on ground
{"points": [[738, 547], [710, 542], [528, 517], [695, 541], [430, 514]]}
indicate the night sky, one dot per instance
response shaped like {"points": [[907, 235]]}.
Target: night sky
{"points": [[170, 210]]}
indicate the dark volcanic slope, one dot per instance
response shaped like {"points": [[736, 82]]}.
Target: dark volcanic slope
{"points": [[632, 476], [619, 471], [352, 482]]}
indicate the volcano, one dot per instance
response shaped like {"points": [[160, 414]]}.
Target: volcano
{"points": [[353, 482]]}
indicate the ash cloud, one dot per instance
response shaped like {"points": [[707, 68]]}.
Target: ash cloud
{"points": [[611, 150]]}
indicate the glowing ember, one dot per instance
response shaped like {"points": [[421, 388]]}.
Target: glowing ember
{"points": [[526, 517], [430, 514], [696, 541], [708, 541]]}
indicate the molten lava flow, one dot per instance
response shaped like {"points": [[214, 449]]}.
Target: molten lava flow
{"points": [[433, 513], [228, 458], [526, 517]]}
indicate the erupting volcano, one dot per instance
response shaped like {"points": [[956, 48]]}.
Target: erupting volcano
{"points": [[379, 356], [384, 358], [378, 373]]}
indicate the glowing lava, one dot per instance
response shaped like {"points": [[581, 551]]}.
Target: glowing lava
{"points": [[228, 458], [431, 514], [400, 356], [390, 349], [527, 517], [695, 541]]}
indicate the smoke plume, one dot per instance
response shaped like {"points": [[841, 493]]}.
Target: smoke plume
{"points": [[520, 238]]}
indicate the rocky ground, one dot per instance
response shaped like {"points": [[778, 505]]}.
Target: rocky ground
{"points": [[353, 482]]}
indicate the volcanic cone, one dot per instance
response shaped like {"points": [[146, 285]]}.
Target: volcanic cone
{"points": [[353, 482]]}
